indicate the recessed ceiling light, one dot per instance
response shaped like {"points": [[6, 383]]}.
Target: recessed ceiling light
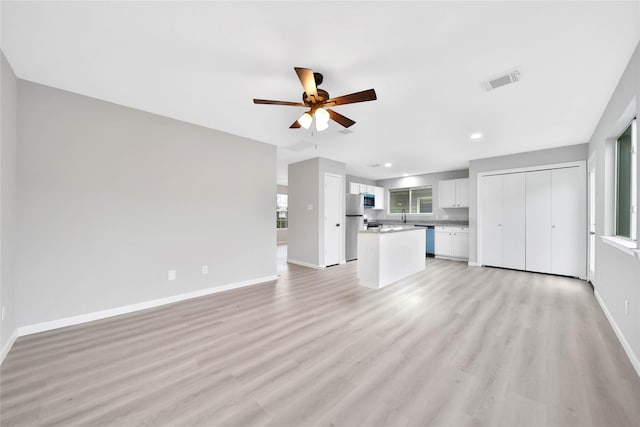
{"points": [[387, 165], [476, 135]]}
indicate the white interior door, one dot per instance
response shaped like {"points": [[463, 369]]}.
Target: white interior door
{"points": [[567, 221], [513, 221], [538, 227], [592, 218], [491, 206], [333, 219]]}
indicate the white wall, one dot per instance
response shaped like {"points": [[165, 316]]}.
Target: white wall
{"points": [[459, 214], [282, 234], [617, 273], [110, 198], [8, 109], [568, 153]]}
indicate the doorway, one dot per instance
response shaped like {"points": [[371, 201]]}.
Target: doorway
{"points": [[333, 219], [591, 166]]}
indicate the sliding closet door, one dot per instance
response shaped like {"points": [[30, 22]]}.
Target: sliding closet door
{"points": [[538, 234], [568, 211], [491, 206], [513, 221]]}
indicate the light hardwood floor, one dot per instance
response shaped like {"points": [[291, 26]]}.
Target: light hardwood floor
{"points": [[453, 345]]}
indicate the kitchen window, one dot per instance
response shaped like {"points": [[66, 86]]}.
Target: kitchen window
{"points": [[626, 183], [415, 200], [282, 219]]}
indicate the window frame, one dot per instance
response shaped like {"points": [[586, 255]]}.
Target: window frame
{"points": [[285, 210], [421, 187], [633, 238]]}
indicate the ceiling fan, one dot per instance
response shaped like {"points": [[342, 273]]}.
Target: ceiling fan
{"points": [[317, 100]]}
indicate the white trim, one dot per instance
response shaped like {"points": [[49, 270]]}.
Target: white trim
{"points": [[474, 264], [574, 164], [625, 345], [8, 345], [305, 264], [103, 314], [629, 247]]}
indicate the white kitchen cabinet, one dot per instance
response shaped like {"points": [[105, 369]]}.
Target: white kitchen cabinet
{"points": [[452, 242], [378, 192], [368, 189], [453, 193], [354, 188]]}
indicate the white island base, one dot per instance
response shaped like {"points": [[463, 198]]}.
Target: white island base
{"points": [[387, 256]]}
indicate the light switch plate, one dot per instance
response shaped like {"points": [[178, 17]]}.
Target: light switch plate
{"points": [[171, 275], [205, 269]]}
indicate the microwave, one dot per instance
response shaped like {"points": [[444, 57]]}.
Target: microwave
{"points": [[369, 200]]}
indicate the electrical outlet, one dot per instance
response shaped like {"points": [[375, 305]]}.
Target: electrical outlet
{"points": [[205, 269], [626, 307], [172, 275], [3, 312]]}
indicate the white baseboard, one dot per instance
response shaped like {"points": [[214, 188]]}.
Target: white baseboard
{"points": [[103, 314], [627, 348], [8, 345], [305, 264], [474, 264]]}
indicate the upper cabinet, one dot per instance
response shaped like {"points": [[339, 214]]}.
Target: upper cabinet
{"points": [[378, 192], [354, 188], [453, 193]]}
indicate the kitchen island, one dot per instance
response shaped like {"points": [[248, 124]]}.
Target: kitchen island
{"points": [[389, 254]]}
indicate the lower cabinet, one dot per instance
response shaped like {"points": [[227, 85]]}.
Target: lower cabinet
{"points": [[452, 242]]}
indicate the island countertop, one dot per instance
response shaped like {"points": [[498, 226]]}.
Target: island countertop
{"points": [[388, 230]]}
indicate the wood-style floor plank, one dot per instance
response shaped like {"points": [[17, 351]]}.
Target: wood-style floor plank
{"points": [[453, 345]]}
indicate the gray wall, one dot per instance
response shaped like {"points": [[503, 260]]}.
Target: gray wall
{"points": [[421, 181], [282, 234], [568, 153], [110, 198], [8, 108], [617, 274], [304, 193], [306, 208]]}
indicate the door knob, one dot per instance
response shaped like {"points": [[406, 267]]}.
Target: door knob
{"points": [[337, 225], [593, 233]]}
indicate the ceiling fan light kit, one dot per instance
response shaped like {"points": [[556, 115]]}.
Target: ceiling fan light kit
{"points": [[317, 100], [305, 120]]}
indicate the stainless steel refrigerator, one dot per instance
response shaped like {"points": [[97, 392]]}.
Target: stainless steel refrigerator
{"points": [[354, 222]]}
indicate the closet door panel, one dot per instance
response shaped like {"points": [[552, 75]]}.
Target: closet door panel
{"points": [[567, 216], [538, 224], [491, 211], [513, 221]]}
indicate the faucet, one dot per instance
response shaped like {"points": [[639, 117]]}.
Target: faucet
{"points": [[404, 216]]}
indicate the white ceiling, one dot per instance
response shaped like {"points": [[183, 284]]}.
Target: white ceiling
{"points": [[204, 62]]}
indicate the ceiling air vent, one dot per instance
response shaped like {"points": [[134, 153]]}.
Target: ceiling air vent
{"points": [[345, 131], [503, 79]]}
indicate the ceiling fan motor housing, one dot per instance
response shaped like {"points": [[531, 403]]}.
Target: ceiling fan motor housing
{"points": [[323, 95]]}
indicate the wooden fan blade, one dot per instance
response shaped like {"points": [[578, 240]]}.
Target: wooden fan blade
{"points": [[308, 81], [365, 95], [339, 118], [295, 125], [270, 102]]}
